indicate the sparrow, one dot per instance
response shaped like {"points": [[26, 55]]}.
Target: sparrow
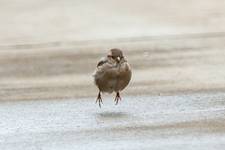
{"points": [[113, 74]]}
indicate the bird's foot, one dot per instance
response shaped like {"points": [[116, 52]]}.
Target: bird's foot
{"points": [[117, 98], [99, 99]]}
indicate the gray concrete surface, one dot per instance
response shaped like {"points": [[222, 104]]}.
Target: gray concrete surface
{"points": [[188, 122]]}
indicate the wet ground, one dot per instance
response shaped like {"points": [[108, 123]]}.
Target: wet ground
{"points": [[139, 122]]}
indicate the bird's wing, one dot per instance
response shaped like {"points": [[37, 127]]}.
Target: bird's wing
{"points": [[105, 67], [105, 75], [102, 61]]}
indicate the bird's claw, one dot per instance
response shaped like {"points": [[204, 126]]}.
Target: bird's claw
{"points": [[99, 100], [117, 98]]}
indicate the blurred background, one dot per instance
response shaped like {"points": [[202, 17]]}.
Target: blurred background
{"points": [[49, 49]]}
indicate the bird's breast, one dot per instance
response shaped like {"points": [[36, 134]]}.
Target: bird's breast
{"points": [[124, 76]]}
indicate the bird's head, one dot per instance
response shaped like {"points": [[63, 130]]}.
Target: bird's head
{"points": [[116, 54]]}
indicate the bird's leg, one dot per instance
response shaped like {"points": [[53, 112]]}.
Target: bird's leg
{"points": [[117, 98], [99, 99]]}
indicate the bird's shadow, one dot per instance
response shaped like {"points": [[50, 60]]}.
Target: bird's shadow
{"points": [[112, 115]]}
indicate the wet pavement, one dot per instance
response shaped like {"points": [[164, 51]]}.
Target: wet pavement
{"points": [[191, 121]]}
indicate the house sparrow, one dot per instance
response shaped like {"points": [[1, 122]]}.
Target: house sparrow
{"points": [[113, 74]]}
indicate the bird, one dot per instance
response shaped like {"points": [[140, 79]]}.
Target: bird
{"points": [[112, 74]]}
